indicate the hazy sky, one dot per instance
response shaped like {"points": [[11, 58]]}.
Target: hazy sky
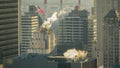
{"points": [[86, 4]]}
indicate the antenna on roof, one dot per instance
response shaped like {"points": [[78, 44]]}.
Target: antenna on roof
{"points": [[61, 4], [79, 1], [45, 8]]}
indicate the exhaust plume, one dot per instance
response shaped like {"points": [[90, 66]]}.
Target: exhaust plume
{"points": [[48, 23], [75, 55]]}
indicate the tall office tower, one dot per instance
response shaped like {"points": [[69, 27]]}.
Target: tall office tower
{"points": [[73, 31], [94, 23], [9, 28], [94, 45], [94, 41], [29, 25], [91, 37], [103, 7], [119, 46], [111, 39]]}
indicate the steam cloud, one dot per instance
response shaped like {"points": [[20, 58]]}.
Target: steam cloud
{"points": [[75, 55], [48, 23]]}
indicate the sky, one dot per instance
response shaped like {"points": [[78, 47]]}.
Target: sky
{"points": [[85, 4]]}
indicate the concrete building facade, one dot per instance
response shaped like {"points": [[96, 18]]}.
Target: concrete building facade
{"points": [[30, 22], [91, 37], [73, 31], [103, 8], [42, 42], [29, 26], [111, 39], [9, 28]]}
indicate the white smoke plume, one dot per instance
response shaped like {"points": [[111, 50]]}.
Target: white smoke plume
{"points": [[75, 55], [48, 23]]}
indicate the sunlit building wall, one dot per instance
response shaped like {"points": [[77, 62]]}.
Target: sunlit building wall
{"points": [[29, 25], [91, 36], [43, 42]]}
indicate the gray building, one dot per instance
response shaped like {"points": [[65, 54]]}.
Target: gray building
{"points": [[103, 8], [73, 31], [111, 39]]}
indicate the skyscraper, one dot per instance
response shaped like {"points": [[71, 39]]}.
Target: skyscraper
{"points": [[111, 39], [91, 37], [73, 30], [105, 7], [29, 24], [9, 28]]}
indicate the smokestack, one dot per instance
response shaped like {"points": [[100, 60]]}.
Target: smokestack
{"points": [[61, 5], [45, 1], [60, 1], [45, 8], [79, 2]]}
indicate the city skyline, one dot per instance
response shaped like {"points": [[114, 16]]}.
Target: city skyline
{"points": [[84, 4], [60, 33]]}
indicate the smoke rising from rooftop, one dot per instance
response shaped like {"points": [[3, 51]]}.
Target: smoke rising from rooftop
{"points": [[75, 55], [55, 16]]}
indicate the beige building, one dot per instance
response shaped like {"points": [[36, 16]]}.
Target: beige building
{"points": [[30, 21], [42, 42], [29, 25]]}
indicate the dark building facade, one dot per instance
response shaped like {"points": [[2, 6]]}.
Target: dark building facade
{"points": [[73, 30], [41, 61], [9, 28], [111, 39], [103, 7]]}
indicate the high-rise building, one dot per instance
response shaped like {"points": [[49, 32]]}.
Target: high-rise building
{"points": [[9, 28], [103, 7], [91, 37], [111, 39], [104, 54], [73, 31], [94, 31], [29, 24]]}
